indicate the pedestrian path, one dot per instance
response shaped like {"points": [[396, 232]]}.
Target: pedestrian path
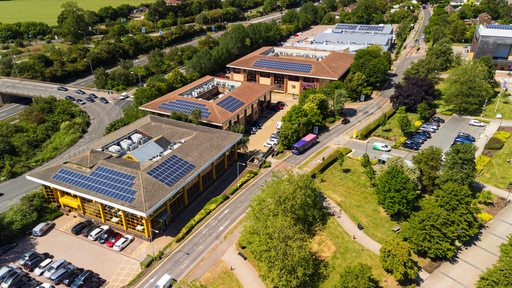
{"points": [[494, 190], [243, 269]]}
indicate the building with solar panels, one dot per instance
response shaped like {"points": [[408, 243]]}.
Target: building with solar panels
{"points": [[223, 102], [138, 177], [291, 70], [350, 38], [494, 41]]}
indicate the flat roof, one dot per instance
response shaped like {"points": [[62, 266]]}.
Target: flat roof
{"points": [[331, 65], [197, 145], [213, 112], [495, 30]]}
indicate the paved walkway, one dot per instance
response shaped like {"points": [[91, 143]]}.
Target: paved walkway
{"points": [[496, 191], [243, 270]]}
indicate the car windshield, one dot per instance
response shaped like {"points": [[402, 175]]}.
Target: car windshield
{"points": [[41, 266], [112, 238], [53, 268]]}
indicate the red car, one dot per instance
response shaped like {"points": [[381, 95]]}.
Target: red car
{"points": [[113, 239]]}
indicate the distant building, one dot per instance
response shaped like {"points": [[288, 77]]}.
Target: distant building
{"points": [[350, 7], [494, 41], [484, 18], [291, 70], [449, 8], [173, 2], [350, 38]]}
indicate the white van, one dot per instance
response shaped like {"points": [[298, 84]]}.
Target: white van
{"points": [[124, 96], [278, 125], [164, 282], [41, 229]]}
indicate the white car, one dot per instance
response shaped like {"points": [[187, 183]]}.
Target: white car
{"points": [[45, 285], [271, 142], [54, 267], [476, 123], [123, 242], [381, 147], [43, 267], [97, 232], [124, 96]]}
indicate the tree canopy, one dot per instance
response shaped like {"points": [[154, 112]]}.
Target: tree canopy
{"points": [[413, 92], [396, 257], [396, 192], [430, 162], [359, 275], [459, 165], [373, 63], [499, 274]]}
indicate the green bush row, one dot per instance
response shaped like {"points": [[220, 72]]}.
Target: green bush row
{"points": [[135, 278], [367, 130], [481, 161], [248, 176], [147, 261], [265, 165], [331, 158], [502, 135], [447, 112], [207, 209], [399, 142], [483, 120], [329, 120], [494, 144]]}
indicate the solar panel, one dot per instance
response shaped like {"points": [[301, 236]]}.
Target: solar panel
{"points": [[230, 103], [171, 170], [497, 26], [102, 180], [283, 65], [345, 27], [185, 106]]}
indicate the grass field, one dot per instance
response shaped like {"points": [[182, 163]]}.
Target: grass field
{"points": [[305, 163], [498, 172], [392, 129], [350, 190], [47, 10], [220, 276]]}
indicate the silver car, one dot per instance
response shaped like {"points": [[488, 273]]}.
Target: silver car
{"points": [[59, 275], [27, 256], [12, 278], [4, 272], [427, 129], [54, 267]]}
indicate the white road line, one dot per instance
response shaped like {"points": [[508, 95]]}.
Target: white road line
{"points": [[224, 225]]}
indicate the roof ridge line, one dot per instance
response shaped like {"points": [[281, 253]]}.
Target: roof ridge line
{"points": [[327, 69]]}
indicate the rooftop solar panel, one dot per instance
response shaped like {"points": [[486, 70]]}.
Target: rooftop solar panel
{"points": [[185, 106], [230, 103], [171, 170], [497, 26], [283, 65], [104, 181]]}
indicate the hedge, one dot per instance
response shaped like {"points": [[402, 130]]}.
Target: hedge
{"points": [[329, 120], [494, 144], [265, 165], [331, 158], [447, 112], [147, 261], [502, 135], [367, 130], [482, 120], [481, 161], [207, 209], [248, 176], [135, 278]]}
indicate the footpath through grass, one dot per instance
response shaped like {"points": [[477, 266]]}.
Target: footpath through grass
{"points": [[498, 172], [351, 191], [220, 276]]}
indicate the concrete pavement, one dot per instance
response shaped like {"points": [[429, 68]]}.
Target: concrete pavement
{"points": [[243, 269]]}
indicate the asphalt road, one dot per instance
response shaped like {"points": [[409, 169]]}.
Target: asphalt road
{"points": [[101, 114], [12, 109]]}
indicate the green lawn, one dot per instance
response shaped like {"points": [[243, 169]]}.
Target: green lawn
{"points": [[305, 163], [47, 11], [498, 172], [504, 107], [392, 129], [350, 190], [220, 276]]}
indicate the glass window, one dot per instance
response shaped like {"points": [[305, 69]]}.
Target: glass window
{"points": [[251, 77], [264, 74], [293, 78]]}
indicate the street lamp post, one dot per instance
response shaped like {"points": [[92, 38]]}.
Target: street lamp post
{"points": [[140, 82], [238, 174], [14, 62], [92, 73], [151, 238]]}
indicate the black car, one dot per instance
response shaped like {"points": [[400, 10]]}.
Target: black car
{"points": [[82, 278], [31, 265], [466, 136], [251, 130], [103, 100], [62, 88], [70, 277], [93, 96], [425, 134], [21, 282], [420, 137], [6, 248], [437, 119], [79, 92], [70, 98], [32, 284], [87, 230], [80, 101], [77, 229], [419, 142], [94, 282], [345, 121], [90, 99], [105, 236], [410, 145]]}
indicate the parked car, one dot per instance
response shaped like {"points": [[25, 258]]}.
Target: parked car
{"points": [[89, 229], [89, 99], [70, 278], [463, 140], [123, 242], [32, 264], [23, 280], [96, 233], [70, 98], [82, 278], [257, 124], [12, 277], [93, 96], [103, 100], [381, 147], [431, 126], [437, 119], [6, 270], [79, 92], [77, 229], [32, 284], [433, 123], [426, 134], [467, 136], [113, 239], [427, 129], [45, 285], [27, 256], [105, 236], [54, 267], [476, 123], [345, 121], [41, 228], [251, 130], [80, 101], [411, 145], [271, 142], [6, 248], [274, 136], [418, 136], [93, 282], [123, 96], [57, 277], [278, 125], [43, 267], [62, 88], [279, 105], [418, 142]]}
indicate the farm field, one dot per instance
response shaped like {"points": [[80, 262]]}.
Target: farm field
{"points": [[47, 10]]}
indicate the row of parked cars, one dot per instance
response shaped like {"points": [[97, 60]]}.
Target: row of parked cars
{"points": [[418, 138], [103, 234], [57, 272], [273, 140]]}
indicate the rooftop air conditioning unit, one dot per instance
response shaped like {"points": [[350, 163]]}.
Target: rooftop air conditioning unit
{"points": [[114, 148], [161, 154]]}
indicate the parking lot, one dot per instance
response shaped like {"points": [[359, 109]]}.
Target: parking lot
{"points": [[117, 268]]}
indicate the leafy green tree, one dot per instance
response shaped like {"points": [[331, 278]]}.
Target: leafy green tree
{"points": [[422, 111], [370, 173], [355, 83], [243, 144], [144, 95], [499, 274], [459, 165], [359, 275], [396, 257], [491, 70], [373, 63], [341, 160], [396, 193], [339, 99], [317, 102], [403, 120], [430, 163], [397, 161], [177, 79], [383, 120], [195, 115], [365, 161], [467, 87], [101, 77], [72, 23]]}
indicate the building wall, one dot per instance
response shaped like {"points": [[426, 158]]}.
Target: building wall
{"points": [[294, 87], [486, 46]]}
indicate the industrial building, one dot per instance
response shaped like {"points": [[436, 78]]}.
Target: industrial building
{"points": [[291, 70], [138, 177], [223, 102], [494, 41]]}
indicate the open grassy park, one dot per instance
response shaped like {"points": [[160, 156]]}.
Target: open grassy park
{"points": [[498, 172], [47, 10]]}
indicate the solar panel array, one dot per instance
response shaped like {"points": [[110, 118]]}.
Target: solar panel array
{"points": [[185, 106], [283, 65], [171, 170], [371, 28], [497, 26], [346, 26], [230, 103], [102, 180]]}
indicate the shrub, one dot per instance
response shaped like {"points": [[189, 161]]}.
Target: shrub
{"points": [[494, 144], [400, 141], [135, 278], [147, 261], [502, 135], [248, 176], [159, 255], [329, 120], [367, 130], [483, 120], [338, 118], [331, 158], [484, 216], [481, 161], [485, 197], [418, 123], [265, 165], [431, 113], [447, 112]]}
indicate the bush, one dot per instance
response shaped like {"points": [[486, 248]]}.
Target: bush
{"points": [[147, 261], [418, 123], [502, 135], [483, 120], [329, 120], [265, 165], [248, 176], [481, 161], [331, 158], [53, 216], [485, 217], [399, 142], [431, 113], [447, 112], [135, 278], [494, 144], [367, 130]]}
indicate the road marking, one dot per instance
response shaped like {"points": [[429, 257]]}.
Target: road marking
{"points": [[182, 266], [150, 281], [223, 226]]}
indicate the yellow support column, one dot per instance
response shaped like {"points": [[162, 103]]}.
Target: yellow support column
{"points": [[213, 171], [167, 206], [225, 160], [146, 227], [123, 216], [102, 213], [185, 196], [81, 205], [59, 194], [149, 227], [236, 151], [200, 182]]}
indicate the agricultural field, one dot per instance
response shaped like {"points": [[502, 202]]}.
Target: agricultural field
{"points": [[48, 10]]}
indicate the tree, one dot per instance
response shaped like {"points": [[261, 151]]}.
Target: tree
{"points": [[467, 87], [341, 160], [356, 84], [396, 193], [383, 120], [338, 101], [317, 102], [396, 258], [491, 70], [195, 115], [144, 95], [370, 173], [430, 163], [397, 161], [365, 161], [243, 144], [373, 63], [403, 120], [413, 92], [101, 77], [459, 165], [422, 111], [72, 22], [177, 79], [499, 274], [359, 275]]}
